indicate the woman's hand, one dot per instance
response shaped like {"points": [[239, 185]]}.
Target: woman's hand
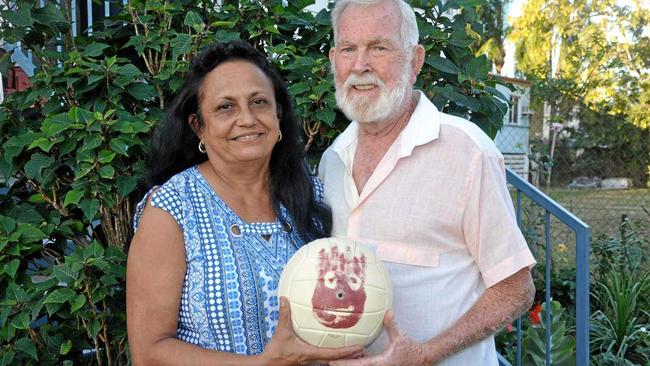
{"points": [[285, 348]]}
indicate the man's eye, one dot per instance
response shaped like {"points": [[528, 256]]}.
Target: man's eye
{"points": [[347, 49]]}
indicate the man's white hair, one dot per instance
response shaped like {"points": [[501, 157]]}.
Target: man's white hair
{"points": [[409, 33]]}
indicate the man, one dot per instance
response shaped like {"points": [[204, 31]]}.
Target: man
{"points": [[428, 189]]}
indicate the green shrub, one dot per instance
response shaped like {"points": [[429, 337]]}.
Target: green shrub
{"points": [[72, 146], [562, 344], [621, 297]]}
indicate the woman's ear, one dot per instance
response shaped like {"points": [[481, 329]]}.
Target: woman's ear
{"points": [[278, 108], [194, 120]]}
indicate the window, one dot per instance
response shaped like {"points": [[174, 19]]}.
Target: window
{"points": [[514, 110]]}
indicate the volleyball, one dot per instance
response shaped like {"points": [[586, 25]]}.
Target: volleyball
{"points": [[338, 291]]}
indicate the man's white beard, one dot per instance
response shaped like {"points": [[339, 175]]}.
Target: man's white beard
{"points": [[363, 109]]}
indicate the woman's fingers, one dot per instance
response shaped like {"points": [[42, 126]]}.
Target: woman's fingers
{"points": [[284, 320], [325, 354]]}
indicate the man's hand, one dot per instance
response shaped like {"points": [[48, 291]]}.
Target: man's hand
{"points": [[400, 350]]}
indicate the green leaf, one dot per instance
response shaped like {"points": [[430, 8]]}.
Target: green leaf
{"points": [[93, 78], [94, 327], [223, 24], [194, 20], [92, 141], [72, 197], [327, 116], [43, 143], [89, 207], [60, 296], [51, 16], [470, 3], [7, 224], [35, 166], [12, 267], [65, 347], [30, 233], [94, 49], [142, 91], [79, 115], [15, 145], [83, 169], [126, 185], [106, 156], [21, 321], [130, 126], [15, 293], [107, 172], [181, 44], [136, 42], [26, 345], [52, 308], [131, 71], [225, 36], [6, 358], [442, 64], [460, 39], [78, 303], [53, 125], [22, 17], [94, 250], [120, 146], [64, 273], [298, 88], [478, 68]]}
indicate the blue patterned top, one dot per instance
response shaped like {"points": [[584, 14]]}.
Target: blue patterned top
{"points": [[229, 298]]}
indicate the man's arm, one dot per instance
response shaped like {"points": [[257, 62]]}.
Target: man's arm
{"points": [[498, 306]]}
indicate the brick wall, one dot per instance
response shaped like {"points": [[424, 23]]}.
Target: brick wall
{"points": [[17, 80]]}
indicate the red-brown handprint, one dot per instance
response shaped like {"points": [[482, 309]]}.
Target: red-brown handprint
{"points": [[339, 296]]}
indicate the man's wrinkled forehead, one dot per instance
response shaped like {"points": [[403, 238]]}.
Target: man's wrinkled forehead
{"points": [[373, 23]]}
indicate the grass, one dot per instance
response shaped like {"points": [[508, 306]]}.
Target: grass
{"points": [[603, 210]]}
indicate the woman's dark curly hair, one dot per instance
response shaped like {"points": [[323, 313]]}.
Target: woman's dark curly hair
{"points": [[174, 145]]}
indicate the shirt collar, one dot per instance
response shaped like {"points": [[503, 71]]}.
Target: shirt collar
{"points": [[423, 127]]}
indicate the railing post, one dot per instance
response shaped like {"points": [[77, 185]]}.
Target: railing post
{"points": [[582, 297]]}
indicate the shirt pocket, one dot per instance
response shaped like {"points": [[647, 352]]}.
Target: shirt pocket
{"points": [[414, 254]]}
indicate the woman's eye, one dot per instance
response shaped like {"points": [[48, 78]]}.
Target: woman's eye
{"points": [[259, 101], [224, 107]]}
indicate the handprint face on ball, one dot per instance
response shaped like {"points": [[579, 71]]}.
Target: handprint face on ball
{"points": [[339, 296]]}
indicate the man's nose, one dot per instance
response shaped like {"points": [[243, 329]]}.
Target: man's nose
{"points": [[361, 62]]}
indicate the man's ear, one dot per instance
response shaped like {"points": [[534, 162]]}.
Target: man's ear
{"points": [[332, 54], [417, 62]]}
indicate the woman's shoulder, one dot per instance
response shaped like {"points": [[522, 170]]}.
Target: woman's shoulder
{"points": [[169, 195]]}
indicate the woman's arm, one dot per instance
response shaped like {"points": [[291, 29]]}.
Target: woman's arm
{"points": [[154, 280]]}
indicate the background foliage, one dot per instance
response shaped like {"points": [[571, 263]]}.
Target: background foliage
{"points": [[72, 146], [589, 62]]}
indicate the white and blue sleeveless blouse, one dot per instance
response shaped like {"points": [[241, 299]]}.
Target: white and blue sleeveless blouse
{"points": [[229, 298]]}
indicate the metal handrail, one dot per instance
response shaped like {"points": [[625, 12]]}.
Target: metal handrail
{"points": [[582, 233]]}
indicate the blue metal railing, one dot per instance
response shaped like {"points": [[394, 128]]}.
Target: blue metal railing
{"points": [[582, 233]]}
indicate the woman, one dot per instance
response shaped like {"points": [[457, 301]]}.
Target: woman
{"points": [[231, 202]]}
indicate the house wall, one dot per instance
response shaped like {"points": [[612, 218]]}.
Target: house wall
{"points": [[512, 139]]}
